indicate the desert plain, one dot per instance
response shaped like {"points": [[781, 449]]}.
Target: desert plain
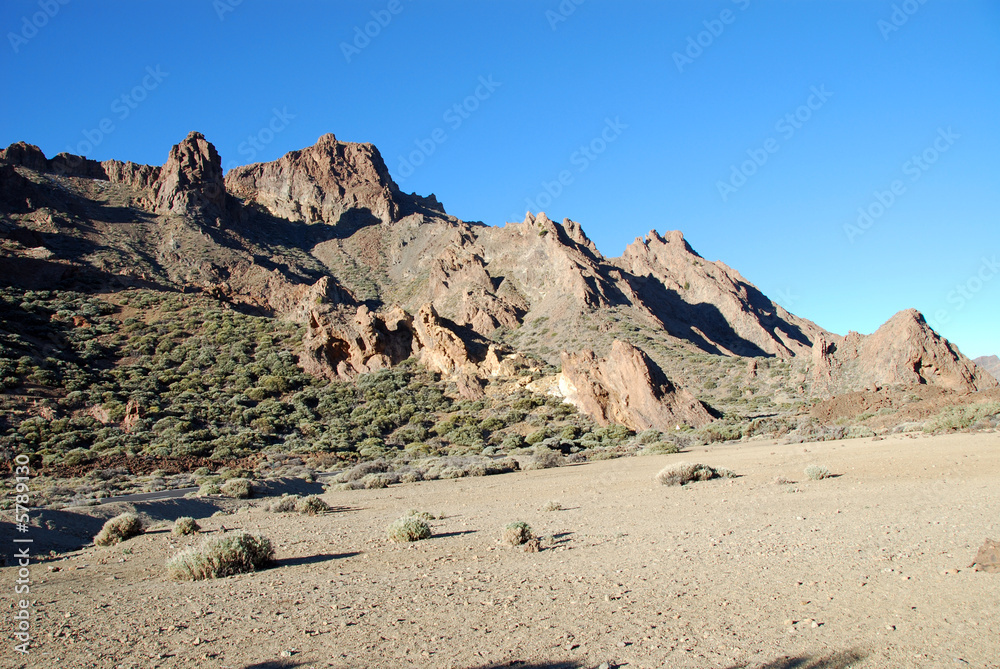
{"points": [[870, 568]]}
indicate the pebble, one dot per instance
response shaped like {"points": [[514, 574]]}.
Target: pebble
{"points": [[948, 572]]}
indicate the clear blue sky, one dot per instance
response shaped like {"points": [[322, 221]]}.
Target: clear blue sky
{"points": [[241, 70]]}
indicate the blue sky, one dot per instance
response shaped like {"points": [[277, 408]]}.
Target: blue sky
{"points": [[759, 129]]}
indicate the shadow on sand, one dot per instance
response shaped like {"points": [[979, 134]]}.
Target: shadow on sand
{"points": [[841, 660], [312, 559]]}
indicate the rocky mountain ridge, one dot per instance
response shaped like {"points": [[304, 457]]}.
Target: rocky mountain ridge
{"points": [[325, 237]]}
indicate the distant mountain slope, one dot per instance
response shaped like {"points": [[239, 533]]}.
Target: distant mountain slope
{"points": [[990, 363]]}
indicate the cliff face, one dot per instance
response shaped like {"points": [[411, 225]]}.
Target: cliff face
{"points": [[324, 236]]}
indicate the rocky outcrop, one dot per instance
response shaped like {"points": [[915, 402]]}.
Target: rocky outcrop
{"points": [[191, 182], [904, 351], [709, 302], [30, 156], [331, 182], [628, 388], [338, 347], [989, 363], [134, 175]]}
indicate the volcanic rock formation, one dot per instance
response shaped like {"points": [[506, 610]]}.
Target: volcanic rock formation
{"points": [[905, 350], [628, 388]]}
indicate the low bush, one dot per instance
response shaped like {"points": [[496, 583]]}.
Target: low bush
{"points": [[233, 553], [685, 472], [409, 528], [185, 525], [237, 488], [121, 527], [517, 533], [284, 504], [312, 506], [817, 473]]}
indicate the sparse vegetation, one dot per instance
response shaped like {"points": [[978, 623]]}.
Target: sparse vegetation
{"points": [[817, 473], [185, 525], [552, 506], [409, 528], [218, 556], [686, 472], [118, 529], [517, 533]]}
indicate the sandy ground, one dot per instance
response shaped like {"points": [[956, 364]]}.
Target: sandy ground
{"points": [[867, 569]]}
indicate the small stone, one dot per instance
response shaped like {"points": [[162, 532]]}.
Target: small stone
{"points": [[287, 653], [891, 628], [788, 622]]}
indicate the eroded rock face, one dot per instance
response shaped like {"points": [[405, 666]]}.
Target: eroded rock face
{"points": [[628, 388], [681, 289], [191, 183], [905, 350], [331, 182], [339, 347]]}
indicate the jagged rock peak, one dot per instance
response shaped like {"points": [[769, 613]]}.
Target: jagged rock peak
{"points": [[330, 182], [191, 181], [904, 350]]}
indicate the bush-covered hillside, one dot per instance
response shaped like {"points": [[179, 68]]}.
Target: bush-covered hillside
{"points": [[183, 376]]}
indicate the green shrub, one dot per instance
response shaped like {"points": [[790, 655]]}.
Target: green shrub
{"points": [[121, 527], [517, 533], [409, 528], [185, 525], [233, 553], [685, 472]]}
